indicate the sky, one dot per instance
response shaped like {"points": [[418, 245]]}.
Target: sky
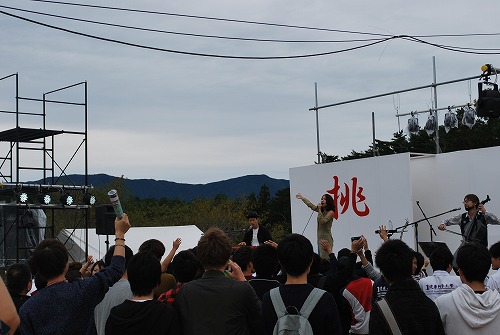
{"points": [[172, 111]]}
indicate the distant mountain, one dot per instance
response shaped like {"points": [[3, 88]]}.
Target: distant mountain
{"points": [[150, 188]]}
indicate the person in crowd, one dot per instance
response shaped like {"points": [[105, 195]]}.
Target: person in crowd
{"points": [[256, 234], [9, 319], [295, 254], [39, 282], [184, 267], [413, 311], [96, 267], [442, 280], [325, 209], [494, 281], [419, 272], [85, 269], [474, 222], [117, 294], [471, 308], [219, 302], [158, 249], [18, 282], [74, 272], [243, 257], [265, 264], [68, 308], [143, 314]]}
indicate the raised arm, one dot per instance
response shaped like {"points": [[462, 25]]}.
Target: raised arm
{"points": [[307, 202], [175, 245]]}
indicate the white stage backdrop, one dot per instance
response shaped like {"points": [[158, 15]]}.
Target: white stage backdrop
{"points": [[367, 193], [379, 190]]}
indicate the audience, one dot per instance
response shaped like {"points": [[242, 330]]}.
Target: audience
{"points": [[441, 281], [471, 308], [18, 282], [295, 254], [414, 312], [265, 264], [68, 308], [143, 314], [185, 267], [117, 294], [494, 280], [243, 257], [9, 320], [216, 303]]}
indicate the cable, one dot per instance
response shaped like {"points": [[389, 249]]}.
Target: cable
{"points": [[194, 53], [187, 34]]}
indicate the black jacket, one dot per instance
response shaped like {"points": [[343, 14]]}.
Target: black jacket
{"points": [[263, 235]]}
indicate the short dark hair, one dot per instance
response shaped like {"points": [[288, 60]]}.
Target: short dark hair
{"points": [[495, 250], [472, 197], [17, 277], [394, 258], [295, 254], [49, 258], [99, 263], [474, 261], [154, 246], [242, 256], [441, 258], [214, 249], [185, 266], [128, 254], [144, 273], [420, 260], [265, 260]]}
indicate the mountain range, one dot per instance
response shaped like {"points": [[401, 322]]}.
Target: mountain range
{"points": [[150, 188]]}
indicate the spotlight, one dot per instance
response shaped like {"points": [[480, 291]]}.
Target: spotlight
{"points": [[413, 126], [89, 199], [44, 198], [66, 200], [22, 197]]}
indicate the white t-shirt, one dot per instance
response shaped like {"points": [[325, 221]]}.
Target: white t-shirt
{"points": [[439, 283], [494, 281], [255, 241]]}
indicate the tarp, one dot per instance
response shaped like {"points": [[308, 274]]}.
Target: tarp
{"points": [[74, 239]]}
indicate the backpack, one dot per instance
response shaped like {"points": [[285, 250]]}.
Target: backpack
{"points": [[288, 324]]}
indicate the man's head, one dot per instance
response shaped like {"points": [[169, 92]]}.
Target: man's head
{"points": [[441, 259], [470, 201], [495, 256], [154, 246], [295, 254], [50, 258], [128, 254], [18, 277], [214, 249], [473, 261], [185, 266], [243, 256], [394, 258], [253, 219], [144, 273], [265, 260]]}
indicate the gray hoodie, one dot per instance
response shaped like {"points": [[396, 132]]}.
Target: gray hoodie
{"points": [[465, 312]]}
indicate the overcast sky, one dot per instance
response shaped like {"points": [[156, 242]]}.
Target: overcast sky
{"points": [[198, 119]]}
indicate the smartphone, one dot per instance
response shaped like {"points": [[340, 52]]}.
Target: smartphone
{"points": [[355, 238]]}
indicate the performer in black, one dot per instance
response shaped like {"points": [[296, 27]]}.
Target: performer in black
{"points": [[473, 223], [256, 234]]}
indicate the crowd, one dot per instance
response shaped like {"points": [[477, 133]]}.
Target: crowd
{"points": [[258, 287]]}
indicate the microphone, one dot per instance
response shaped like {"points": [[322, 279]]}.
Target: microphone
{"points": [[456, 209], [390, 231]]}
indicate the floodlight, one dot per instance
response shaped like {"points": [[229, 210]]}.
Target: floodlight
{"points": [[66, 200], [44, 198], [22, 197], [89, 199]]}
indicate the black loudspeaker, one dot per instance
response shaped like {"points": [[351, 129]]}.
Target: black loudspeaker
{"points": [[105, 220], [488, 102]]}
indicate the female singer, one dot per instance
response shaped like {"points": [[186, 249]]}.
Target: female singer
{"points": [[325, 211]]}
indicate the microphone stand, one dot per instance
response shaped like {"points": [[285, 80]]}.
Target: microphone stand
{"points": [[425, 217]]}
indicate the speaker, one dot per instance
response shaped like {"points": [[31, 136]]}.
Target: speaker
{"points": [[105, 220]]}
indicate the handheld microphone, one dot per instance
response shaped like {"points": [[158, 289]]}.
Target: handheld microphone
{"points": [[390, 231], [456, 209], [115, 201]]}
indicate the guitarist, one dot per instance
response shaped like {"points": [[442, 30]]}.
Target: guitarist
{"points": [[473, 223]]}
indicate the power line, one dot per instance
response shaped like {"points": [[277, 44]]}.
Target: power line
{"points": [[187, 34], [195, 53]]}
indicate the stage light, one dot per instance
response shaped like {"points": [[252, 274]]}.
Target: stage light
{"points": [[22, 197], [44, 198], [413, 126], [89, 199], [66, 200], [430, 125]]}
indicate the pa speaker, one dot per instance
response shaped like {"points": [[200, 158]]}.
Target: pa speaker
{"points": [[105, 220], [488, 102]]}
